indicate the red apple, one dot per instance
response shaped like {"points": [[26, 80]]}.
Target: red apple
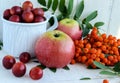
{"points": [[39, 19], [14, 18], [70, 27], [16, 10], [28, 16], [6, 14], [54, 49], [38, 11], [27, 5]]}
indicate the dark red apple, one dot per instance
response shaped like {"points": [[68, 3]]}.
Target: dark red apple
{"points": [[19, 69], [6, 14], [39, 19], [28, 16], [38, 11], [36, 73], [26, 5], [8, 61], [14, 18], [16, 10], [54, 49]]}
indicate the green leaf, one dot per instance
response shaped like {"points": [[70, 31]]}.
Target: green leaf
{"points": [[45, 9], [85, 32], [1, 44], [49, 3], [41, 66], [53, 69], [86, 78], [35, 61], [55, 5], [42, 2], [70, 7], [66, 68], [79, 9], [88, 25], [97, 24], [91, 16], [117, 67], [62, 7], [59, 17], [107, 73], [99, 65]]}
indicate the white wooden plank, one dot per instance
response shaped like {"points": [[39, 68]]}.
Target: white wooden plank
{"points": [[114, 27]]}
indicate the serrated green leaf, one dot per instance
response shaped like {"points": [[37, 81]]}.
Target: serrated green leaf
{"points": [[86, 78], [99, 65], [1, 44], [91, 16], [49, 4], [41, 66], [97, 24], [117, 67], [107, 73], [79, 9], [70, 7], [53, 69], [66, 68], [55, 5], [42, 2]]}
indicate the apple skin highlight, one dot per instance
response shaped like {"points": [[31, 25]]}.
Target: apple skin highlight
{"points": [[54, 51]]}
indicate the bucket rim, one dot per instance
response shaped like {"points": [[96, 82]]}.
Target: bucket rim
{"points": [[24, 24]]}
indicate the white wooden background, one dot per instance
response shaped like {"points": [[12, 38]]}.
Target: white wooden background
{"points": [[108, 12]]}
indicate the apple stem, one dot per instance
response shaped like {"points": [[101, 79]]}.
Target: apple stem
{"points": [[57, 35]]}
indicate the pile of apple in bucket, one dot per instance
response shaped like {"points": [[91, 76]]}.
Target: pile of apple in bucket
{"points": [[54, 48]]}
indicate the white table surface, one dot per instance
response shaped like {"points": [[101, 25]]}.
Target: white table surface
{"points": [[73, 75]]}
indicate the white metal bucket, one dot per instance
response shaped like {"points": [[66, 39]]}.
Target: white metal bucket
{"points": [[21, 37]]}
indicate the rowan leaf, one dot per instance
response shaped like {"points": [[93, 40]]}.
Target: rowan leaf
{"points": [[55, 5], [42, 2]]}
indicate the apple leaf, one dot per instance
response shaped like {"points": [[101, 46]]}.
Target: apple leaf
{"points": [[66, 68], [53, 69], [97, 24], [42, 2], [70, 7], [86, 78], [49, 4], [45, 9], [55, 4], [107, 73], [79, 10], [90, 17], [1, 44]]}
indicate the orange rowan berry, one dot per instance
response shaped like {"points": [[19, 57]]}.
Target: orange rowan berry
{"points": [[73, 61], [110, 57], [93, 50], [104, 36], [86, 50], [103, 47], [105, 81], [83, 59], [102, 56], [98, 44], [88, 45]]}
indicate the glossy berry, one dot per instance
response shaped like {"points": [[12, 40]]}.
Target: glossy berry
{"points": [[19, 69], [24, 57], [8, 61], [36, 73]]}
